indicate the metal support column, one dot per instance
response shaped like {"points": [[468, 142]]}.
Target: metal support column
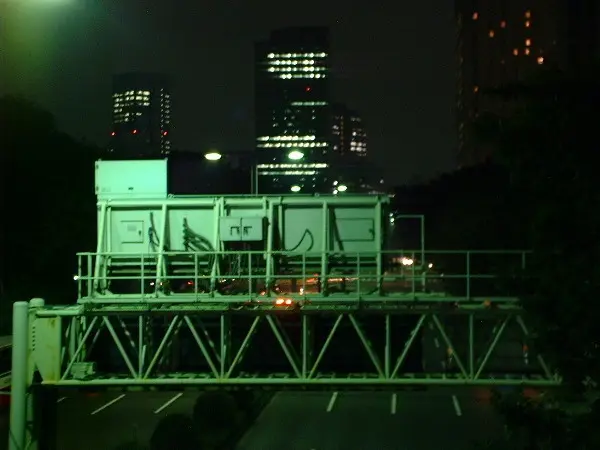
{"points": [[17, 436]]}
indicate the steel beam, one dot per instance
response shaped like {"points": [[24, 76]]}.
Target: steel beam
{"points": [[294, 347]]}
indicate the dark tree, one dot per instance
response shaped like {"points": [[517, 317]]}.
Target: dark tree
{"points": [[245, 400], [131, 446], [215, 416], [48, 194], [548, 142], [174, 432]]}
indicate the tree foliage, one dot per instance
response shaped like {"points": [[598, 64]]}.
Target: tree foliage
{"points": [[133, 445], [471, 208], [48, 194], [548, 142], [245, 400], [174, 432], [215, 415]]}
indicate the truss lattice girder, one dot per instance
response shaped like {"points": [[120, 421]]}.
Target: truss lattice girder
{"points": [[145, 358]]}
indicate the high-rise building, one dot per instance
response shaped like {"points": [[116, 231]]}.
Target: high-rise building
{"points": [[504, 41], [141, 122], [292, 109], [499, 42], [349, 136]]}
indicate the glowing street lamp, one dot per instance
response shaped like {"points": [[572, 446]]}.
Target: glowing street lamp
{"points": [[342, 188], [295, 155], [213, 156], [295, 188]]}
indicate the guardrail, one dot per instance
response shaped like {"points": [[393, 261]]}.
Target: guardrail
{"points": [[232, 275]]}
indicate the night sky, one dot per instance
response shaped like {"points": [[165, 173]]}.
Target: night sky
{"points": [[393, 61]]}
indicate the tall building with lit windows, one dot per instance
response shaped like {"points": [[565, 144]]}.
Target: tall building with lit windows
{"points": [[504, 41], [141, 122], [499, 42], [292, 110], [349, 136]]}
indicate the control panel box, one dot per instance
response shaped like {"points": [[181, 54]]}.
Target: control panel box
{"points": [[236, 229], [143, 179]]}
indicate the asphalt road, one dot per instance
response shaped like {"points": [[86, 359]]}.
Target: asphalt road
{"points": [[103, 421], [407, 420], [439, 417]]}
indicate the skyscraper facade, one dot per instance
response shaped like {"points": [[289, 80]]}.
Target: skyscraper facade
{"points": [[141, 122], [504, 41], [349, 136], [292, 109], [499, 42]]}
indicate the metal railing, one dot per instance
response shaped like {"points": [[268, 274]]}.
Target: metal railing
{"points": [[232, 275]]}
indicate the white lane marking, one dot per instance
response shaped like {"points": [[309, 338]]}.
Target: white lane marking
{"points": [[168, 403], [436, 342], [60, 400], [456, 406], [394, 403], [112, 402], [332, 401]]}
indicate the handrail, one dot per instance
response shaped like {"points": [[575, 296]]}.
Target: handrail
{"points": [[301, 273]]}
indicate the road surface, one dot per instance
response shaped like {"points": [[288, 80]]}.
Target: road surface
{"points": [[438, 418], [103, 421]]}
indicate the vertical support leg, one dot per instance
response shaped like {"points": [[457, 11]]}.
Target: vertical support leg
{"points": [[306, 346], [225, 342], [100, 248], [471, 346], [388, 345], [20, 377], [160, 261], [379, 247], [73, 334], [32, 428], [269, 250], [325, 249]]}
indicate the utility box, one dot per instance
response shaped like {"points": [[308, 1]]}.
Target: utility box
{"points": [[142, 179], [236, 229]]}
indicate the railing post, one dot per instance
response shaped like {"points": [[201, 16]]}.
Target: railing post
{"points": [[358, 277], [413, 283], [468, 270], [19, 377]]}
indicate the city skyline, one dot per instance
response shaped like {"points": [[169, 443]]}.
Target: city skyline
{"points": [[141, 116], [504, 42], [292, 103], [403, 91]]}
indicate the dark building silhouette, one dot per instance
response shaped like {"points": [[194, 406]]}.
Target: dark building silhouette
{"points": [[505, 41], [292, 109], [349, 136], [141, 122]]}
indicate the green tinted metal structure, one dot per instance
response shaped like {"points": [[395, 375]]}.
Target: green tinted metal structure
{"points": [[299, 276]]}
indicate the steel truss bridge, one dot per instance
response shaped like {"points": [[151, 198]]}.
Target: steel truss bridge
{"points": [[349, 330], [282, 291]]}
